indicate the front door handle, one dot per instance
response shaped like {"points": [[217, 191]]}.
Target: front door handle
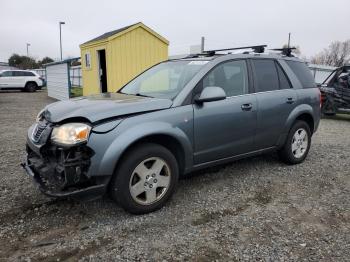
{"points": [[290, 100], [247, 107]]}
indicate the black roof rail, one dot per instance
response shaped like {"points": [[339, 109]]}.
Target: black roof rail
{"points": [[287, 51], [196, 55], [206, 53], [256, 49]]}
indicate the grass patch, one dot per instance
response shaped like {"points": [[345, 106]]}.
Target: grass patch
{"points": [[76, 91]]}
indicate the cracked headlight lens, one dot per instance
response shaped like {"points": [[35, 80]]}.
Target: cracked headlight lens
{"points": [[70, 134], [39, 116]]}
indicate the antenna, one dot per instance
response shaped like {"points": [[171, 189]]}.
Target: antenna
{"points": [[287, 51], [289, 40]]}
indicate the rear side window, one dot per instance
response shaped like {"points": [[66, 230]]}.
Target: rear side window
{"points": [[303, 73], [284, 82], [266, 77], [29, 74]]}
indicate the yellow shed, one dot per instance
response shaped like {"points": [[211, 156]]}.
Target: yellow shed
{"points": [[111, 60]]}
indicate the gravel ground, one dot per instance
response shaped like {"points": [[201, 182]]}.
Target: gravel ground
{"points": [[254, 209]]}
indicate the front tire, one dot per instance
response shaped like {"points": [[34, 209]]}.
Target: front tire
{"points": [[145, 178], [297, 145]]}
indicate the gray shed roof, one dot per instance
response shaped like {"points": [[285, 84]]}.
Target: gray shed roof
{"points": [[108, 34]]}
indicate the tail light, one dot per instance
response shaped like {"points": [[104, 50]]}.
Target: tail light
{"points": [[321, 96]]}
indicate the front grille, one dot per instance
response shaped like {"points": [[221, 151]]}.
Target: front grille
{"points": [[38, 131]]}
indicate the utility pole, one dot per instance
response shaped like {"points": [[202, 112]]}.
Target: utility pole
{"points": [[61, 23], [202, 44], [28, 49]]}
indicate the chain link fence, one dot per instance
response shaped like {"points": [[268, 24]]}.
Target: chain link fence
{"points": [[75, 75]]}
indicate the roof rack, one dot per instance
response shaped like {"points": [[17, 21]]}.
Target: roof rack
{"points": [[287, 51], [256, 49]]}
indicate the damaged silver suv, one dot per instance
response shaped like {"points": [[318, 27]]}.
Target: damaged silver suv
{"points": [[176, 117]]}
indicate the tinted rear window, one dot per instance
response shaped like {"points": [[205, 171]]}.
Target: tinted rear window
{"points": [[265, 75], [303, 73], [29, 74]]}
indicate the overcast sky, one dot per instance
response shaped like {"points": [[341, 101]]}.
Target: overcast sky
{"points": [[313, 23]]}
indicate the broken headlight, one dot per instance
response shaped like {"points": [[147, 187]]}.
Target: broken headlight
{"points": [[39, 116], [70, 134]]}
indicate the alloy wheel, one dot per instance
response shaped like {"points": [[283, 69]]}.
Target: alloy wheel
{"points": [[149, 181], [300, 143]]}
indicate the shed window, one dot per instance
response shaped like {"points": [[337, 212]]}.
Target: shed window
{"points": [[87, 60]]}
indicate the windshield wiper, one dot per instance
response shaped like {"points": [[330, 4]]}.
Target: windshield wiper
{"points": [[138, 94]]}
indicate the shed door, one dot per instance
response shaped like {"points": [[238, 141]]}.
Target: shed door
{"points": [[102, 70]]}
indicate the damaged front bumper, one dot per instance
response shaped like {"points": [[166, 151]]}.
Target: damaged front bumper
{"points": [[88, 193], [62, 172]]}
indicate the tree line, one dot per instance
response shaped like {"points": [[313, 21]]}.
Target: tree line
{"points": [[26, 62], [336, 54]]}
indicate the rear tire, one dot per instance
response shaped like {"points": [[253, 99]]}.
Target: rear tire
{"points": [[145, 179], [297, 144], [31, 87], [328, 108]]}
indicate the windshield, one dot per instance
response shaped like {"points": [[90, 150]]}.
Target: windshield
{"points": [[164, 80], [345, 70]]}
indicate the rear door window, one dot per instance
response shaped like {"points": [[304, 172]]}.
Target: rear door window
{"points": [[303, 73], [18, 73], [266, 77]]}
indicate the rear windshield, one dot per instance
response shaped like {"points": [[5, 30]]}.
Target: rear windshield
{"points": [[303, 73]]}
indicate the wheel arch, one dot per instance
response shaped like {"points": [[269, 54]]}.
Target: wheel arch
{"points": [[307, 117], [172, 138], [169, 142], [31, 81], [302, 112]]}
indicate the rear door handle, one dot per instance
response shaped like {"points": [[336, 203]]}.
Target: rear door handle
{"points": [[247, 107], [290, 100]]}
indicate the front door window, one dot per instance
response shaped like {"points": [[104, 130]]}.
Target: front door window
{"points": [[231, 76]]}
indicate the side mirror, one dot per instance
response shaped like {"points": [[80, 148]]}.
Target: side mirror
{"points": [[210, 94]]}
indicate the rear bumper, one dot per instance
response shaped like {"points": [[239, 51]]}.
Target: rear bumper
{"points": [[88, 193]]}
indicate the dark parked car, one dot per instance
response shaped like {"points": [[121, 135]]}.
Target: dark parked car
{"points": [[176, 117], [336, 92]]}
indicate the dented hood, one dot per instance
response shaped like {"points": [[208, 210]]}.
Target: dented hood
{"points": [[103, 106]]}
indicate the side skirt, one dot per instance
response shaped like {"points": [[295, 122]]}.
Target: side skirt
{"points": [[231, 159]]}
